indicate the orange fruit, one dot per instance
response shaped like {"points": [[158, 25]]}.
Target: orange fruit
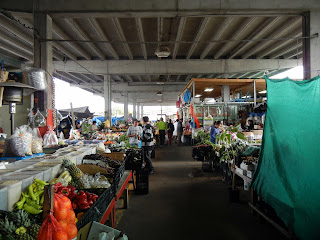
{"points": [[60, 235], [65, 202], [61, 214], [63, 224], [71, 231], [71, 217]]}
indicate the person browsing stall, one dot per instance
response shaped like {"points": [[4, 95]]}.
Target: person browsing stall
{"points": [[162, 127], [94, 126], [214, 131], [147, 144], [134, 133]]}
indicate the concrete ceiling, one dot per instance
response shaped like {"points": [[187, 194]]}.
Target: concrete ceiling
{"points": [[239, 41]]}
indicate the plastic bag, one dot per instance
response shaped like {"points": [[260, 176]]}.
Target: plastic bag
{"points": [[36, 145], [51, 229], [26, 136], [74, 134], [39, 120], [31, 117], [50, 139], [13, 147]]}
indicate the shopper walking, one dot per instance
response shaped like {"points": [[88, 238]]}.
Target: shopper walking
{"points": [[179, 131], [214, 131], [147, 143], [162, 126], [170, 128], [175, 125], [134, 133]]}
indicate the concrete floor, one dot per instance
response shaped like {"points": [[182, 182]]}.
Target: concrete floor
{"points": [[179, 206]]}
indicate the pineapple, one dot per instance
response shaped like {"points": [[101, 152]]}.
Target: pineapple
{"points": [[22, 219], [25, 236], [75, 173], [73, 170], [33, 230], [7, 226]]}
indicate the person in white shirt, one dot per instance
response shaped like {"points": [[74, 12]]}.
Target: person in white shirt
{"points": [[134, 133], [175, 132], [94, 126]]}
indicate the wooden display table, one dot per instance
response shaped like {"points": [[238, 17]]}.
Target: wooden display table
{"points": [[123, 187]]}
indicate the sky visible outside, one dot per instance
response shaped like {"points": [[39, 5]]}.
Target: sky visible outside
{"points": [[64, 94]]}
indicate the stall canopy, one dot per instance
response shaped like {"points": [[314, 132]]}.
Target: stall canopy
{"points": [[81, 112], [236, 85], [287, 176]]}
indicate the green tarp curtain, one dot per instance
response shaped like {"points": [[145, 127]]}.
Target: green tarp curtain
{"points": [[288, 173]]}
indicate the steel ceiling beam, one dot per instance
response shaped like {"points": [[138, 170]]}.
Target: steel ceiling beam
{"points": [[120, 32], [174, 67], [293, 53], [216, 36], [258, 33], [286, 49], [182, 23], [64, 50], [63, 35], [10, 61], [201, 30], [96, 26], [27, 48], [124, 8], [16, 52], [84, 36], [282, 30], [71, 76], [141, 37], [236, 35], [279, 44]]}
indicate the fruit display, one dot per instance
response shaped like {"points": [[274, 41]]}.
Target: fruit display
{"points": [[65, 178], [18, 225], [75, 172], [32, 199], [79, 199]]}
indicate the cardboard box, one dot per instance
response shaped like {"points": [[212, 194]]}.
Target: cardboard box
{"points": [[115, 156], [91, 169], [92, 230]]}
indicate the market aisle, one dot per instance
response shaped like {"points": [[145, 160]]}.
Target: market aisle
{"points": [[183, 207]]}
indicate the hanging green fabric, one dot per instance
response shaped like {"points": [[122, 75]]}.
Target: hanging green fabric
{"points": [[288, 174]]}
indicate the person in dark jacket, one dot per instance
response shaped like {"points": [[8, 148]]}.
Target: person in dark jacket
{"points": [[170, 129], [147, 144], [179, 131]]}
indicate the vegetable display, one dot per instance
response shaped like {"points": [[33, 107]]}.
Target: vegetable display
{"points": [[32, 199]]}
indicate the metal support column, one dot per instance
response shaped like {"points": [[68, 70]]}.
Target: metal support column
{"points": [[134, 105], [306, 46], [42, 53], [107, 98], [138, 110], [125, 106], [194, 108], [314, 44], [254, 93], [141, 111]]}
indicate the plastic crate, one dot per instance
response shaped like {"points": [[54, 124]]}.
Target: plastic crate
{"points": [[97, 209], [117, 177], [142, 182], [130, 163]]}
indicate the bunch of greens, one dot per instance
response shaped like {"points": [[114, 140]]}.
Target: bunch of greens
{"points": [[123, 138], [203, 138]]}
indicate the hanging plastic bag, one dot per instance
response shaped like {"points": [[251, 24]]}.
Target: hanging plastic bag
{"points": [[13, 146], [50, 139], [51, 230], [74, 134], [31, 117], [39, 120], [36, 145], [26, 136]]}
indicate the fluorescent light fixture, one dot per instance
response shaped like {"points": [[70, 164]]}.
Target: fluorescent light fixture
{"points": [[208, 90], [245, 97], [159, 94], [162, 51], [264, 91], [212, 101], [198, 95], [160, 83]]}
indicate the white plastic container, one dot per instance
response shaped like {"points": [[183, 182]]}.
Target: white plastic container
{"points": [[26, 182], [47, 175], [55, 171], [14, 193], [3, 198]]}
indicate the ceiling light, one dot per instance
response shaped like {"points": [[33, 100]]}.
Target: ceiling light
{"points": [[160, 83], [264, 91], [245, 97], [208, 90], [162, 51], [212, 101], [159, 94], [198, 95]]}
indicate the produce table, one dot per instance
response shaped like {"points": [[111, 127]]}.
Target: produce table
{"points": [[245, 178], [127, 175], [111, 209]]}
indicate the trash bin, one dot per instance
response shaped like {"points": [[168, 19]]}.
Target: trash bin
{"points": [[142, 182]]}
